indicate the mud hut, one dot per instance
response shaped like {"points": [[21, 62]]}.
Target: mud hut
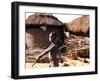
{"points": [[38, 27], [79, 26]]}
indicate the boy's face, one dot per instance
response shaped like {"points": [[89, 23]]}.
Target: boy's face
{"points": [[50, 37]]}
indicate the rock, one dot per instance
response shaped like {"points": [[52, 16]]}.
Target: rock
{"points": [[66, 64], [86, 61], [77, 46], [83, 52], [44, 60]]}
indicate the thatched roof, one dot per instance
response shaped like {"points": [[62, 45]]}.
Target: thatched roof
{"points": [[42, 19], [80, 24]]}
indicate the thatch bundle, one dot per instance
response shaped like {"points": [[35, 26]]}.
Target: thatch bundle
{"points": [[80, 24], [42, 19]]}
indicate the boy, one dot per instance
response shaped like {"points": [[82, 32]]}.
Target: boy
{"points": [[53, 50]]}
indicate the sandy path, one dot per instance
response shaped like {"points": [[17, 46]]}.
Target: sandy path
{"points": [[37, 65], [69, 63]]}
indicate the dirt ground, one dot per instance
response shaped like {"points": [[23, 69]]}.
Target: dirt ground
{"points": [[68, 63]]}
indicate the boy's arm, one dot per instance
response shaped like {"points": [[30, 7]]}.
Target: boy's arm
{"points": [[44, 52]]}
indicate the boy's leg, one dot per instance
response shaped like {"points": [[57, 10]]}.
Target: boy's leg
{"points": [[54, 60], [61, 60]]}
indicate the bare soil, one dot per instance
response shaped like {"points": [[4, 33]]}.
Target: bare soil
{"points": [[67, 63]]}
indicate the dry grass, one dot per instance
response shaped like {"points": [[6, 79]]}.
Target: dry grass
{"points": [[80, 24], [42, 19]]}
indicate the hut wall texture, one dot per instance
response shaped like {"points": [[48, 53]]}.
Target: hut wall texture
{"points": [[37, 38]]}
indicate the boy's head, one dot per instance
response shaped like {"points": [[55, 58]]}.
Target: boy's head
{"points": [[52, 36]]}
